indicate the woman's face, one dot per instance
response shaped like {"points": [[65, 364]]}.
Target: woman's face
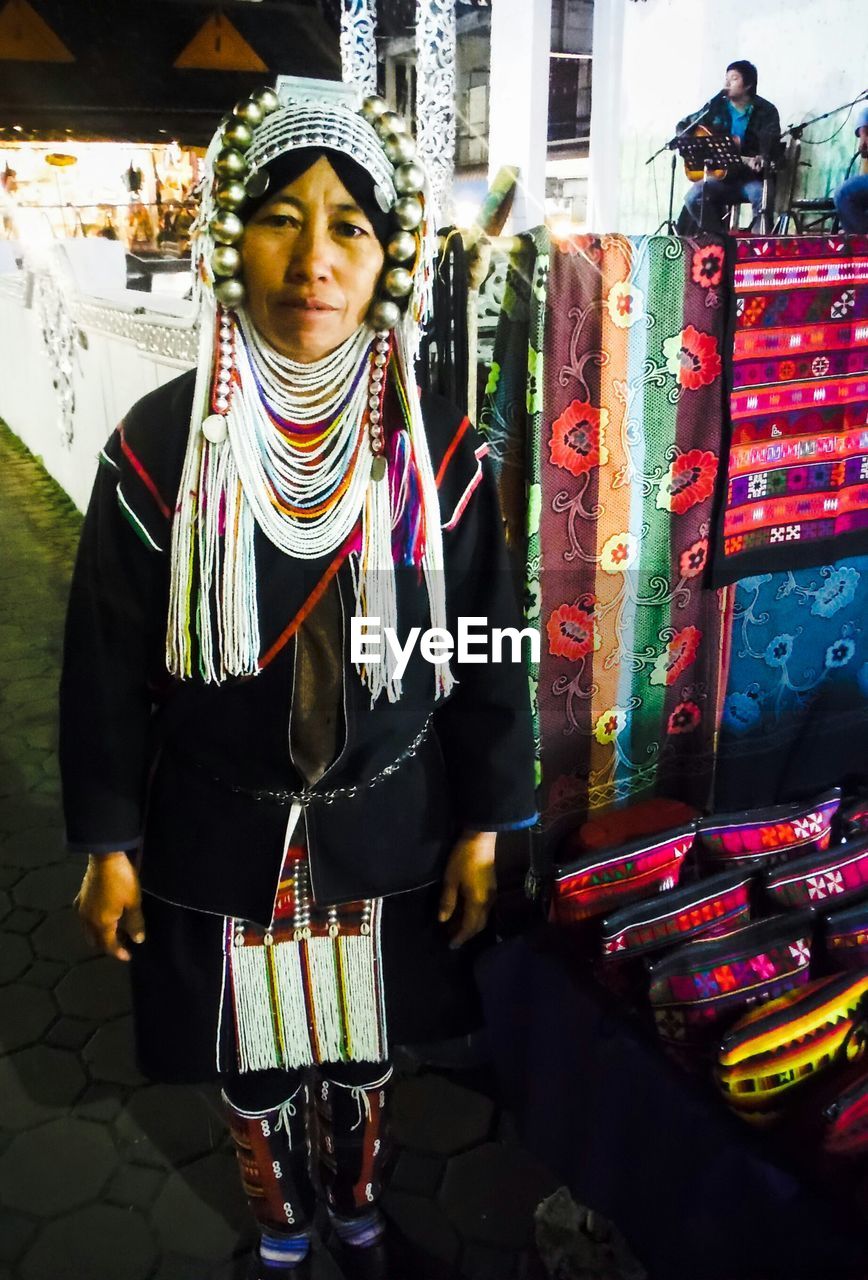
{"points": [[311, 263]]}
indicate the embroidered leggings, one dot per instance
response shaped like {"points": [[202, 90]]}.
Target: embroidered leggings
{"points": [[278, 1135]]}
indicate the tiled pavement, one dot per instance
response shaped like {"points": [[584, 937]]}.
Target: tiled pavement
{"points": [[104, 1176]]}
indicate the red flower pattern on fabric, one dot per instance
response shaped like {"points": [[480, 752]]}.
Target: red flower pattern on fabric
{"points": [[693, 358], [590, 247], [685, 718], [577, 442], [677, 656], [690, 480], [572, 632], [707, 269], [694, 559]]}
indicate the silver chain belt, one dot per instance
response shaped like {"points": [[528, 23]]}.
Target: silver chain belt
{"points": [[337, 793]]}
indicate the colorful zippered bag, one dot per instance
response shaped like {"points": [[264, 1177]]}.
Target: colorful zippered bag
{"points": [[841, 872], [846, 934], [703, 985], [773, 1050], [720, 903], [601, 879], [846, 1119], [766, 837]]}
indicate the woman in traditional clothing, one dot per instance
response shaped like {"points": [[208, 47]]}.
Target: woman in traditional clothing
{"points": [[293, 839]]}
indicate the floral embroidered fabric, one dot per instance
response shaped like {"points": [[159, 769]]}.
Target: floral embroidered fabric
{"points": [[798, 456], [624, 405], [795, 718]]}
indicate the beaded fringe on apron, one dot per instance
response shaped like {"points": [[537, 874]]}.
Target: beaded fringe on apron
{"points": [[308, 989]]}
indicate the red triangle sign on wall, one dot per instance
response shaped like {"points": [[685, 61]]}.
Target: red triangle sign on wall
{"points": [[219, 46]]}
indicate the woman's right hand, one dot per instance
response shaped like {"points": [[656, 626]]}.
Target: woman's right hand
{"points": [[110, 900]]}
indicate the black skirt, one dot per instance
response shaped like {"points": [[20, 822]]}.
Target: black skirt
{"points": [[177, 979]]}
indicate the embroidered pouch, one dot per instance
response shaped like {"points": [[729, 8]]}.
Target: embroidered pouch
{"points": [[705, 983], [853, 816], [839, 873], [602, 879], [847, 936], [718, 904], [765, 837], [847, 1121], [772, 1050]]}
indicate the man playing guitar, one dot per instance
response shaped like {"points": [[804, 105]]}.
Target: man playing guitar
{"points": [[851, 198], [754, 125]]}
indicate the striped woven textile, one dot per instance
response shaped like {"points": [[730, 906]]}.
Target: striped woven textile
{"points": [[625, 400], [797, 492]]}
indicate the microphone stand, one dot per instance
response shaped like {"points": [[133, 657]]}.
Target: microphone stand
{"points": [[672, 145], [795, 131]]}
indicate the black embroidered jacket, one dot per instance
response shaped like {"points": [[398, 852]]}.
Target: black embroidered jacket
{"points": [[178, 769]]}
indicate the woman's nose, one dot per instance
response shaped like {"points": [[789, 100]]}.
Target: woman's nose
{"points": [[310, 257]]}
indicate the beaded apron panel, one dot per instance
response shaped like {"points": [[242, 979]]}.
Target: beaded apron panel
{"points": [[309, 989]]}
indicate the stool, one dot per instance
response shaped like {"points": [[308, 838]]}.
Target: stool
{"points": [[823, 209], [765, 221]]}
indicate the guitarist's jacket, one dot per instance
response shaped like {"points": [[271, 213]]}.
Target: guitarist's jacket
{"points": [[763, 127]]}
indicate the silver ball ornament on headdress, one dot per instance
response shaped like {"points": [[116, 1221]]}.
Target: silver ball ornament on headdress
{"points": [[401, 246], [398, 282], [230, 164], [408, 213], [399, 147], [225, 260], [237, 134], [390, 122], [248, 111], [229, 292], [226, 227], [384, 314], [230, 195], [373, 107], [409, 179], [267, 100]]}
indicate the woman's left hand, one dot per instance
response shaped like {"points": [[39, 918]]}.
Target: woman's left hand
{"points": [[469, 879]]}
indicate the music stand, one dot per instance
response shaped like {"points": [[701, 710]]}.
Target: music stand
{"points": [[706, 153]]}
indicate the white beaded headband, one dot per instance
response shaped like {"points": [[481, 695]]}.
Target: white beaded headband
{"points": [[260, 129]]}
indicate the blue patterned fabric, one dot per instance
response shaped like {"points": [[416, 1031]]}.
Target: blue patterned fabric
{"points": [[795, 716]]}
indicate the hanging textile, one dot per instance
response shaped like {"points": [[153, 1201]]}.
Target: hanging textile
{"points": [[435, 98], [625, 400], [359, 44], [795, 718], [798, 459], [503, 419]]}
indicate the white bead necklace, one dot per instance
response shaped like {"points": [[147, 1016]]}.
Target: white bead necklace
{"points": [[286, 476], [305, 392]]}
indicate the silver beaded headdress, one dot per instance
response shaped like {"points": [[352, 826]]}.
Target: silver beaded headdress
{"points": [[264, 127]]}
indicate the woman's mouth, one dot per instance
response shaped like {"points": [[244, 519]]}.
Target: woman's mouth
{"points": [[307, 304]]}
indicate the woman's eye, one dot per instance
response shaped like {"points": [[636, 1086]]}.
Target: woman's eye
{"points": [[350, 229], [281, 220]]}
